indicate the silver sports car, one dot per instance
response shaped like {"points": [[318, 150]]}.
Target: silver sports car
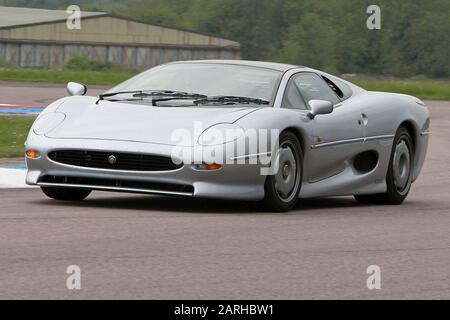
{"points": [[231, 130]]}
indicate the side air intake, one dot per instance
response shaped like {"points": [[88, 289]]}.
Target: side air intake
{"points": [[366, 161]]}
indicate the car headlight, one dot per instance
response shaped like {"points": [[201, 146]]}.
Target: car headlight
{"points": [[48, 122], [220, 134]]}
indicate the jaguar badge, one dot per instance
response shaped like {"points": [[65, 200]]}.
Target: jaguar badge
{"points": [[112, 160]]}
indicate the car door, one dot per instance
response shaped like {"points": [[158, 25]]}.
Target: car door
{"points": [[336, 137]]}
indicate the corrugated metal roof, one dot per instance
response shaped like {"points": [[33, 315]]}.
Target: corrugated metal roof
{"points": [[13, 16]]}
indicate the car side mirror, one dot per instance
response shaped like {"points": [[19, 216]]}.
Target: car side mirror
{"points": [[319, 107], [76, 89]]}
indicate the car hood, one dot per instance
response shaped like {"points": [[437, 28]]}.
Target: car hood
{"points": [[139, 122]]}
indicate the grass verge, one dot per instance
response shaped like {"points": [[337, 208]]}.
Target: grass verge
{"points": [[13, 133], [423, 89], [52, 76]]}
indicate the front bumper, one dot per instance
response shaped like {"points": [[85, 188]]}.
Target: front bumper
{"points": [[232, 181]]}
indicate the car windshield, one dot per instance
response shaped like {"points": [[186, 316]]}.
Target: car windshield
{"points": [[207, 79]]}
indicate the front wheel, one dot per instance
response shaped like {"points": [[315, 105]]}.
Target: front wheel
{"points": [[283, 187], [66, 194], [400, 172]]}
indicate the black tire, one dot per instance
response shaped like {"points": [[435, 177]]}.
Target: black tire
{"points": [[273, 200], [66, 194], [394, 194]]}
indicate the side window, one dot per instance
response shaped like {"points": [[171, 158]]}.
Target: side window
{"points": [[344, 89], [313, 87], [292, 98]]}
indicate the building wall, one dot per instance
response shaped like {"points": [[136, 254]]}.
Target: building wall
{"points": [[53, 55], [106, 38]]}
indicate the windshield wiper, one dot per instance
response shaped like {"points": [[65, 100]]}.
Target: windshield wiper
{"points": [[230, 99], [167, 94], [112, 94]]}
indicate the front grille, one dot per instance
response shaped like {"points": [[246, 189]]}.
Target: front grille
{"points": [[117, 184], [114, 160]]}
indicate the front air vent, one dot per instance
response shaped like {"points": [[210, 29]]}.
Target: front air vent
{"points": [[116, 184], [114, 160]]}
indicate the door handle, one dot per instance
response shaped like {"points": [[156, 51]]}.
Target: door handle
{"points": [[364, 121]]}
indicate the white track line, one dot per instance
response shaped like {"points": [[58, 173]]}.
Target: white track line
{"points": [[12, 178]]}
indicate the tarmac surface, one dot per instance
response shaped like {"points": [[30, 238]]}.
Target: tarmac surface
{"points": [[149, 247], [37, 94]]}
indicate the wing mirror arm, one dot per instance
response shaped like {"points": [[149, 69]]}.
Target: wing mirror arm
{"points": [[319, 107]]}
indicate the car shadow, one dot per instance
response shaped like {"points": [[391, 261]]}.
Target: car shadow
{"points": [[195, 205], [163, 204], [327, 203]]}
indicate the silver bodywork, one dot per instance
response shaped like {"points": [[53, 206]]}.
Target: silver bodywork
{"points": [[367, 121]]}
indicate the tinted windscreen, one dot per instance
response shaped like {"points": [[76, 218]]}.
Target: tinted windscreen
{"points": [[207, 79]]}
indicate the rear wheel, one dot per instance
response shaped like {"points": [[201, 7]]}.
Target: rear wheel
{"points": [[282, 188], [400, 172], [66, 194]]}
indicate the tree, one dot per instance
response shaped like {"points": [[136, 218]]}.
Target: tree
{"points": [[326, 34]]}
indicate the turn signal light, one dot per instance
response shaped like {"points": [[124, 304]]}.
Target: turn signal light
{"points": [[208, 166], [33, 154]]}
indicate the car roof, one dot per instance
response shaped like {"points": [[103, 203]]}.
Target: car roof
{"points": [[258, 64]]}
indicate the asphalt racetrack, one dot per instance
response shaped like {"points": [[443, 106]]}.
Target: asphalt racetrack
{"points": [[133, 247]]}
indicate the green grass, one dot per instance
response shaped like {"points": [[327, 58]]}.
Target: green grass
{"points": [[423, 89], [13, 133], [53, 76]]}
